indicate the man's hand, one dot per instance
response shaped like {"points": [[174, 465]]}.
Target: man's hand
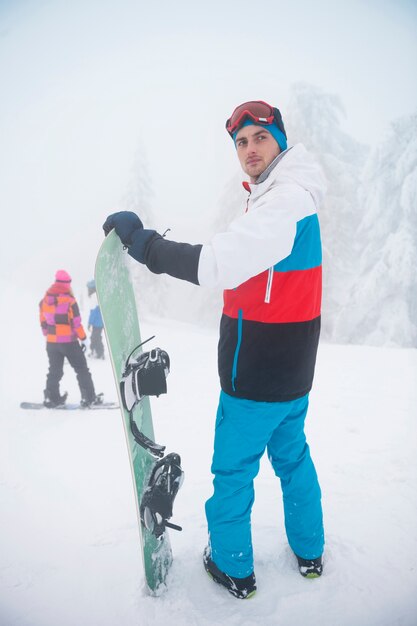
{"points": [[131, 232], [125, 224], [83, 345]]}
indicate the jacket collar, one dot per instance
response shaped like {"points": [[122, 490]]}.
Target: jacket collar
{"points": [[258, 187], [295, 166], [264, 175]]}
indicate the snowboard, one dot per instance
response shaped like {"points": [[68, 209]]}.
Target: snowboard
{"points": [[118, 308], [36, 406]]}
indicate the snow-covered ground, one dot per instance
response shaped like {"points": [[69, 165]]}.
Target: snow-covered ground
{"points": [[68, 531]]}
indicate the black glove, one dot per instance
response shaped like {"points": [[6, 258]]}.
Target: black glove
{"points": [[131, 232], [140, 240], [125, 223]]}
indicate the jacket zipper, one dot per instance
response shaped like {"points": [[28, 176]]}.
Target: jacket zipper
{"points": [[239, 341], [269, 285]]}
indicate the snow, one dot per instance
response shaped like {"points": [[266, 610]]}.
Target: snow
{"points": [[69, 540], [74, 120]]}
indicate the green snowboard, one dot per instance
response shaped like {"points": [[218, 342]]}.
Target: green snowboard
{"points": [[118, 308]]}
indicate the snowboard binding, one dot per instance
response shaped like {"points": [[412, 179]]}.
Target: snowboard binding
{"points": [[144, 376], [158, 499]]}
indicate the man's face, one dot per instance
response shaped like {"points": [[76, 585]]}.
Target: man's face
{"points": [[256, 149]]}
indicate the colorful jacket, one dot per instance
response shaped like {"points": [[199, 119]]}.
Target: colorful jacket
{"points": [[60, 316], [269, 260], [269, 263]]}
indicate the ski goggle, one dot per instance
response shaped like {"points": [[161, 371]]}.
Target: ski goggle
{"points": [[256, 110]]}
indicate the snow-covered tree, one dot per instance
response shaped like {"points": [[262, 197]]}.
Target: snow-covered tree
{"points": [[151, 290], [313, 117], [205, 305], [383, 308], [232, 202]]}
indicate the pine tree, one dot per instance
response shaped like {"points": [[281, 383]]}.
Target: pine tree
{"points": [[232, 202], [151, 289], [205, 305], [383, 307], [314, 118]]}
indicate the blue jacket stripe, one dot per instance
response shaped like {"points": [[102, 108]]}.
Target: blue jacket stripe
{"points": [[306, 252]]}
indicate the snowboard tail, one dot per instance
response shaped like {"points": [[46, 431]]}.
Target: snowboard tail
{"points": [[118, 308]]}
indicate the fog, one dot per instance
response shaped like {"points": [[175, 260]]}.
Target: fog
{"points": [[86, 85]]}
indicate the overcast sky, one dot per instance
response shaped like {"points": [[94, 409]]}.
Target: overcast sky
{"points": [[83, 83]]}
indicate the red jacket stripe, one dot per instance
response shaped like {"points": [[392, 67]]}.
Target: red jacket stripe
{"points": [[295, 296]]}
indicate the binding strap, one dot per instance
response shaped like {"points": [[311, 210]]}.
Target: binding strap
{"points": [[144, 441]]}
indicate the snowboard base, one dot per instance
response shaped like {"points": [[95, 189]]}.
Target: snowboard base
{"points": [[36, 406]]}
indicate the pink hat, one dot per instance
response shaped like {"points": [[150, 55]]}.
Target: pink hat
{"points": [[62, 277]]}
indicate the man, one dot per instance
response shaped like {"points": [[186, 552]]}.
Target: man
{"points": [[269, 263], [65, 339]]}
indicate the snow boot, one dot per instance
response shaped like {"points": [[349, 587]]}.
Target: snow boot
{"points": [[242, 588], [310, 568], [52, 401], [85, 403]]}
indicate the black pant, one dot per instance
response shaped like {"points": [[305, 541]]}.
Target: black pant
{"points": [[57, 353], [96, 342]]}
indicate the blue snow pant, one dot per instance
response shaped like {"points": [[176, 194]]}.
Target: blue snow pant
{"points": [[244, 429]]}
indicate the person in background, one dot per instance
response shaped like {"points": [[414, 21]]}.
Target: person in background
{"points": [[268, 261], [65, 339], [95, 323]]}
